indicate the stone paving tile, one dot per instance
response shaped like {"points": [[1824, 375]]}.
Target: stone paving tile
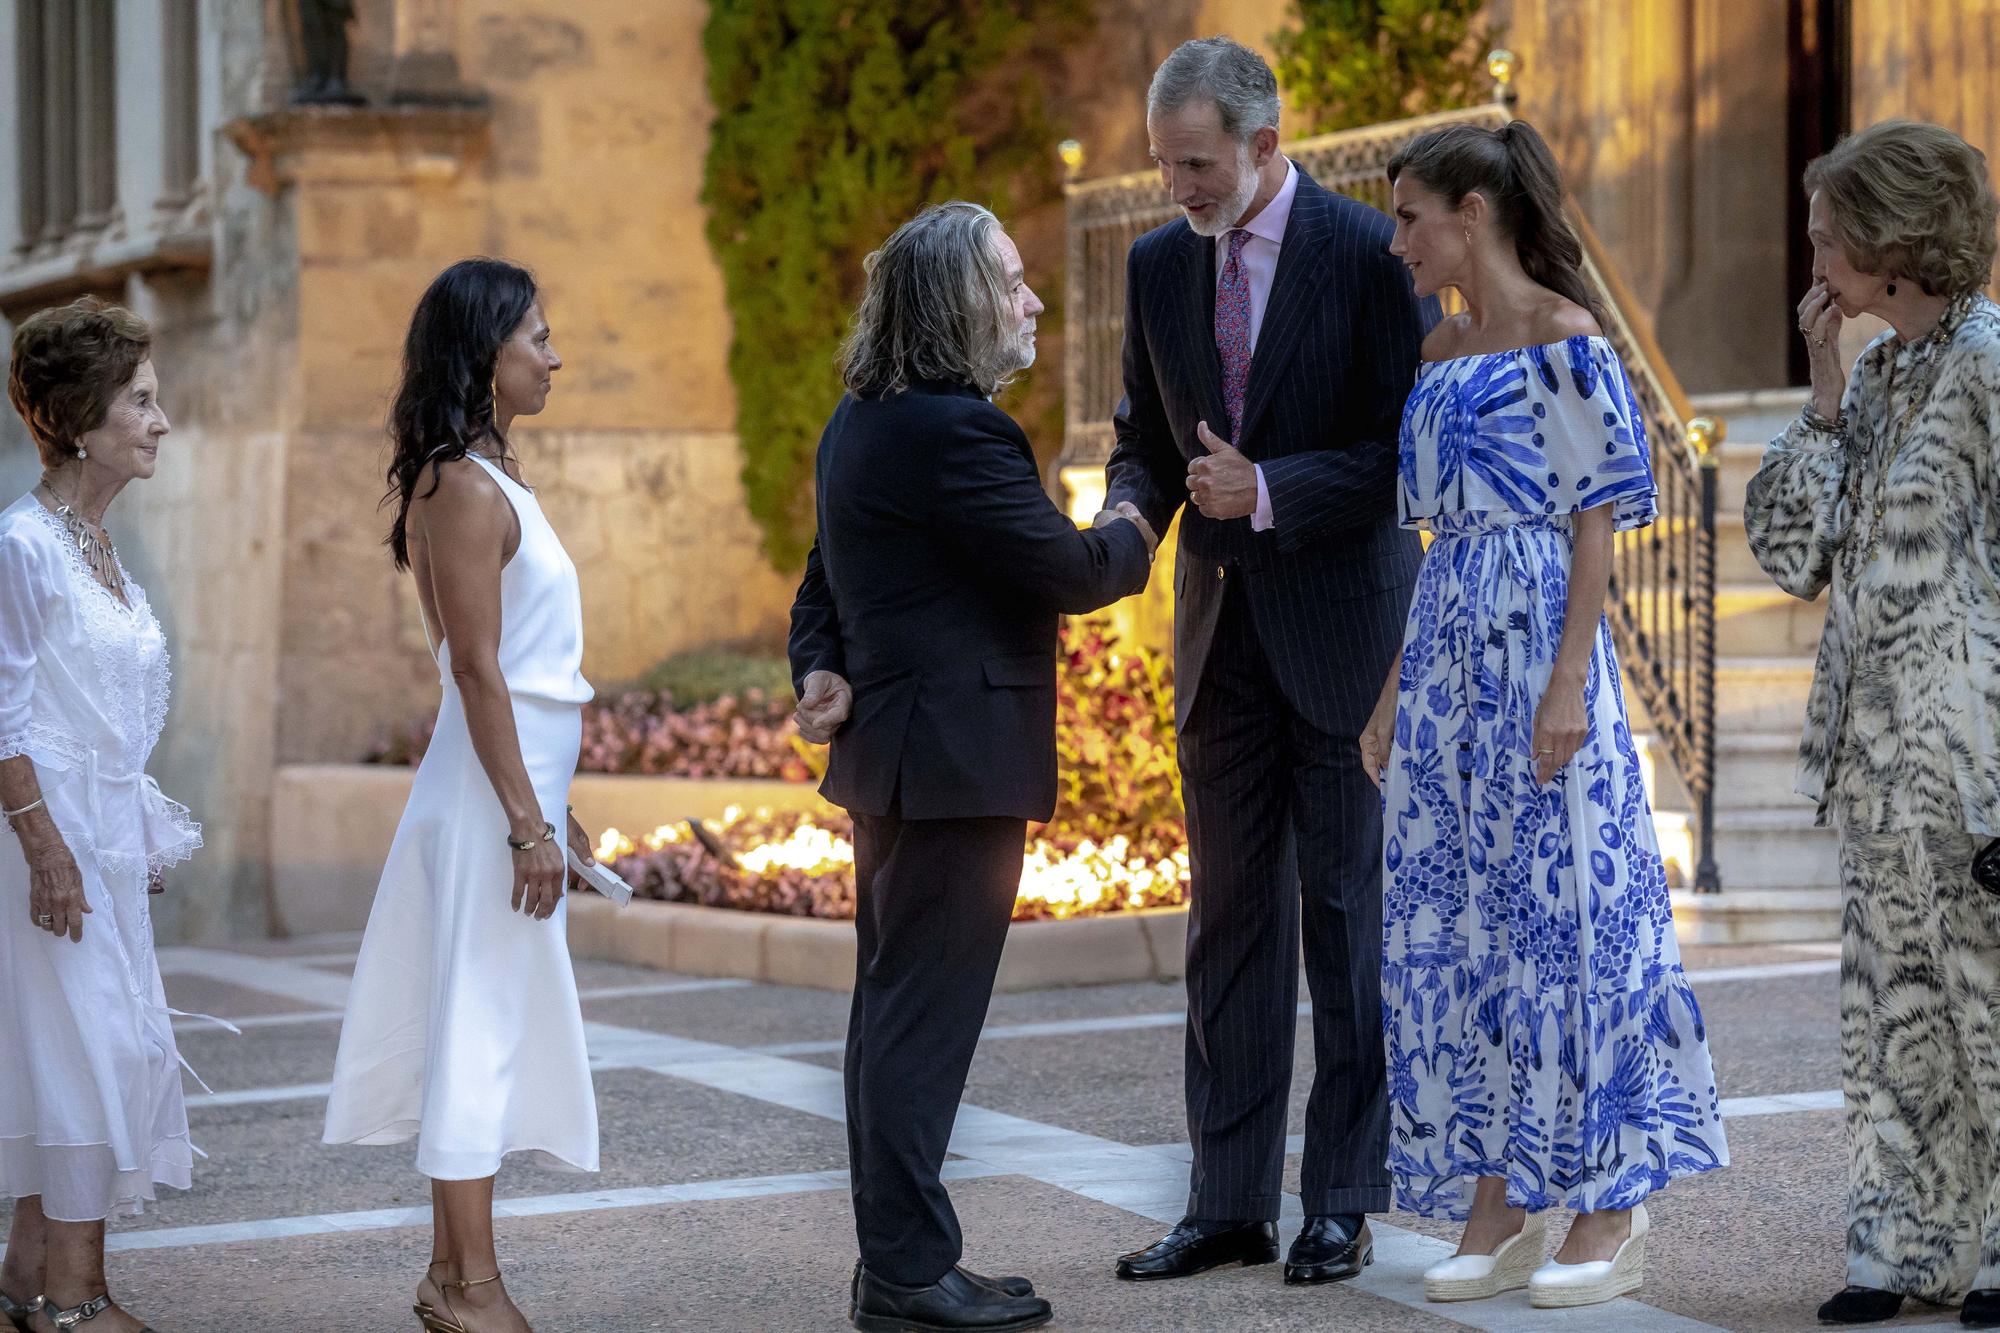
{"points": [[1779, 1035], [760, 1264], [1755, 1247], [221, 999], [267, 1161]]}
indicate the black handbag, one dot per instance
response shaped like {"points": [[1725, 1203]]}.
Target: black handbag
{"points": [[1986, 867]]}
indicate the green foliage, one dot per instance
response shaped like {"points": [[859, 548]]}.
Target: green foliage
{"points": [[836, 120], [704, 675], [1361, 62]]}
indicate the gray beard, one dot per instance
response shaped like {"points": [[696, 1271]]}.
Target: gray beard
{"points": [[1234, 207]]}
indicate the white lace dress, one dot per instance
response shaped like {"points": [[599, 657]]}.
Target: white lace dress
{"points": [[91, 1115]]}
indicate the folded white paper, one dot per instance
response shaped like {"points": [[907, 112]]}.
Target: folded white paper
{"points": [[600, 877]]}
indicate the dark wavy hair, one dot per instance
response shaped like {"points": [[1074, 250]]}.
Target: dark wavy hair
{"points": [[67, 363], [1514, 171], [444, 405]]}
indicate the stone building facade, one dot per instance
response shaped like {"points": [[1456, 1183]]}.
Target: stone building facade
{"points": [[152, 156]]}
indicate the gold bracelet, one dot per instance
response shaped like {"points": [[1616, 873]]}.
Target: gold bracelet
{"points": [[548, 835]]}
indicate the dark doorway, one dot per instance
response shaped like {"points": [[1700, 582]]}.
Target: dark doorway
{"points": [[1818, 43]]}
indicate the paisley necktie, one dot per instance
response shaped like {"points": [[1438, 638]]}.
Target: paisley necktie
{"points": [[1232, 330]]}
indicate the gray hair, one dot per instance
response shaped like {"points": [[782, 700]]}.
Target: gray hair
{"points": [[935, 307], [1225, 72]]}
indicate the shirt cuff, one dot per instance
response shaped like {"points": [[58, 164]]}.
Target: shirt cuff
{"points": [[1261, 518]]}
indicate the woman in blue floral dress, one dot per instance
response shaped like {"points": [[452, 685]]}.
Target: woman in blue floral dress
{"points": [[1545, 1050]]}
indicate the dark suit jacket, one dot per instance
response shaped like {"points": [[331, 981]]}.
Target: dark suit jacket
{"points": [[934, 586], [1336, 357]]}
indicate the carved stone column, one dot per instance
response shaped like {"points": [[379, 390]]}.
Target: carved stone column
{"points": [[59, 122], [96, 116], [180, 109], [28, 144]]}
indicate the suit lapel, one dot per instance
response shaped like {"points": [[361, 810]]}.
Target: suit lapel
{"points": [[1197, 286], [1295, 296]]}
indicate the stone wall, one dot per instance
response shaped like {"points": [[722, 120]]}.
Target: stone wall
{"points": [[587, 169]]}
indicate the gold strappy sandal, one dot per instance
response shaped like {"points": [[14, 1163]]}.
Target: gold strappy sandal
{"points": [[82, 1314], [17, 1314], [446, 1322], [423, 1308]]}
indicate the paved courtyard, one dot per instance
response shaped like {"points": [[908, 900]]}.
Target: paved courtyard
{"points": [[722, 1201]]}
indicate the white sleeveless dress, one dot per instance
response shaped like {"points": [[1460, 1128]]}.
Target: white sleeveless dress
{"points": [[462, 1027]]}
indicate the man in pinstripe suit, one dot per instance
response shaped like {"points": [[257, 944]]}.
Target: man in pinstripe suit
{"points": [[1270, 340]]}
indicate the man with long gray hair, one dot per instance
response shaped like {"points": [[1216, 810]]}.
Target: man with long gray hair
{"points": [[1270, 340], [923, 646]]}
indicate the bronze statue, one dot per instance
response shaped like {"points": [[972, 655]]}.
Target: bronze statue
{"points": [[321, 31]]}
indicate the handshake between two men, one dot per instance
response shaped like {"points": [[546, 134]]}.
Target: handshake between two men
{"points": [[827, 700], [1222, 485]]}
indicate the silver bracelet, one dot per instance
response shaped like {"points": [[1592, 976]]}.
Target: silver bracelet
{"points": [[1836, 426], [11, 815]]}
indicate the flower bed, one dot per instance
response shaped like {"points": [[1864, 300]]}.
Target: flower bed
{"points": [[1117, 841]]}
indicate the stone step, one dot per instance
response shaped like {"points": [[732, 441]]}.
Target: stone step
{"points": [[1734, 562], [1762, 694], [1756, 770], [1739, 462], [1756, 620], [1775, 849], [1757, 916]]}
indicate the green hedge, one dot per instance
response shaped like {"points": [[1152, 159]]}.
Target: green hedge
{"points": [[1349, 63], [836, 121]]}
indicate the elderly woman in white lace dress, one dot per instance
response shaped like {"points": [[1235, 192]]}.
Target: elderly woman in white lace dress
{"points": [[91, 1116]]}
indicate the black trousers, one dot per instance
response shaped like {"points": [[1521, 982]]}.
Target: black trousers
{"points": [[933, 899], [1285, 831]]}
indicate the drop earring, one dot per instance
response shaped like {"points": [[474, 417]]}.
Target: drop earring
{"points": [[82, 452]]}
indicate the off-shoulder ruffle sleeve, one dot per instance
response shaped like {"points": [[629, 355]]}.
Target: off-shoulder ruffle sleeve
{"points": [[1592, 433]]}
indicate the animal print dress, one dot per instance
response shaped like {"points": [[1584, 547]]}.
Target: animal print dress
{"points": [[1897, 514]]}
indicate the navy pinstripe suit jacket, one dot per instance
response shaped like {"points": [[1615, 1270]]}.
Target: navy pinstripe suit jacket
{"points": [[1336, 357]]}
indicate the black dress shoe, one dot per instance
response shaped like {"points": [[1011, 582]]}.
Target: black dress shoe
{"points": [[1861, 1305], [953, 1302], [1013, 1286], [1196, 1246], [1332, 1248], [1982, 1309]]}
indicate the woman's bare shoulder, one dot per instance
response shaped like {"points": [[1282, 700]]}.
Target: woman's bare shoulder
{"points": [[1563, 319]]}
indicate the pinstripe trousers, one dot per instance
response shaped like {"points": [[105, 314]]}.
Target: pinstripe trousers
{"points": [[1285, 834]]}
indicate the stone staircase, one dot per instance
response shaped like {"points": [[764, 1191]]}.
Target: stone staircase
{"points": [[1780, 874]]}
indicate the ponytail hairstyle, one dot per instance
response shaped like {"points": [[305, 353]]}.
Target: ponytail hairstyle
{"points": [[445, 405], [1514, 171]]}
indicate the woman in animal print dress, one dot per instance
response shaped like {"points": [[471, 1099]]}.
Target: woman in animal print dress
{"points": [[1884, 492]]}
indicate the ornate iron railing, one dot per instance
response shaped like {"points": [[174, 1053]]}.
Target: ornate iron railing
{"points": [[1662, 600]]}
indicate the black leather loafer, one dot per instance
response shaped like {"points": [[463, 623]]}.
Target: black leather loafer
{"points": [[1196, 1246], [1982, 1309], [1330, 1249], [954, 1302], [1861, 1305]]}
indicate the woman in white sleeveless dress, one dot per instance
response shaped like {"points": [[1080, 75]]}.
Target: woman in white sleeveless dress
{"points": [[462, 1028]]}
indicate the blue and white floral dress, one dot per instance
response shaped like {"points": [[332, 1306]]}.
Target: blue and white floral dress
{"points": [[1539, 1025]]}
